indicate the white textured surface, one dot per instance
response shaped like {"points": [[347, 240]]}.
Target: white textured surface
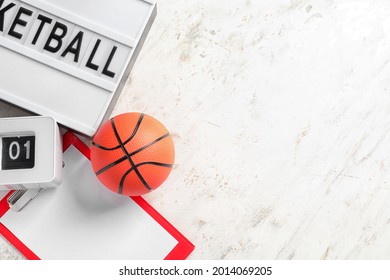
{"points": [[280, 114]]}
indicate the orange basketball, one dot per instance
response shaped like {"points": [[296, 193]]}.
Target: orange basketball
{"points": [[132, 154]]}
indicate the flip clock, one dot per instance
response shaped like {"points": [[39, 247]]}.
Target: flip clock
{"points": [[30, 156]]}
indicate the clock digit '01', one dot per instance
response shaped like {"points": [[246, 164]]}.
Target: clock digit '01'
{"points": [[18, 152]]}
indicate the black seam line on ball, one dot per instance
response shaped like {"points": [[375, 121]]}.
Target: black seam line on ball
{"points": [[141, 117], [111, 165], [129, 157], [120, 189], [131, 154], [150, 144]]}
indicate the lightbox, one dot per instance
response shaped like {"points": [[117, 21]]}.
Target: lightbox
{"points": [[70, 59]]}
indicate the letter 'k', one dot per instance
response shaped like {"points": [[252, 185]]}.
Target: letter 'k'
{"points": [[3, 11]]}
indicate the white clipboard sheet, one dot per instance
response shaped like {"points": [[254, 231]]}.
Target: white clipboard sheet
{"points": [[81, 219]]}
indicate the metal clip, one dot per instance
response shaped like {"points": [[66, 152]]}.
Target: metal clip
{"points": [[19, 198]]}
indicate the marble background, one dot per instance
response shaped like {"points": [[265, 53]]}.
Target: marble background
{"points": [[280, 112]]}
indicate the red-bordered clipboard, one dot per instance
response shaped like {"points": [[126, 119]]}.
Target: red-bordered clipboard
{"points": [[180, 252]]}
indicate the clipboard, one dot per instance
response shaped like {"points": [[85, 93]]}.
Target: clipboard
{"points": [[131, 227]]}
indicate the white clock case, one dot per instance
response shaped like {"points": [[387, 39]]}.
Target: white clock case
{"points": [[47, 171]]}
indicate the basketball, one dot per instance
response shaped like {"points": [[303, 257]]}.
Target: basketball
{"points": [[132, 154]]}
